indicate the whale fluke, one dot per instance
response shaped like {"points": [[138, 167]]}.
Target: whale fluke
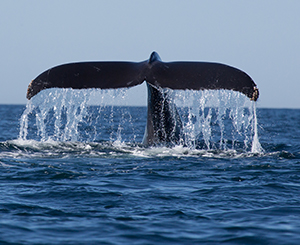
{"points": [[174, 75], [164, 125]]}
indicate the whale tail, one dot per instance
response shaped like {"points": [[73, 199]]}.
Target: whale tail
{"points": [[164, 125], [174, 75], [163, 120]]}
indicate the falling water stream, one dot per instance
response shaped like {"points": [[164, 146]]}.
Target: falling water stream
{"points": [[212, 120]]}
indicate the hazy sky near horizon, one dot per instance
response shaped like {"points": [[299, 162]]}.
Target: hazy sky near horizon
{"points": [[261, 38]]}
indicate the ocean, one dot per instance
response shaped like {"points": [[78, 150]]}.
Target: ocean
{"points": [[73, 173]]}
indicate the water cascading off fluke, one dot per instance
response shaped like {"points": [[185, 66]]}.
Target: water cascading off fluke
{"points": [[212, 120]]}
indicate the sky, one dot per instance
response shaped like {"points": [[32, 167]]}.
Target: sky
{"points": [[259, 37]]}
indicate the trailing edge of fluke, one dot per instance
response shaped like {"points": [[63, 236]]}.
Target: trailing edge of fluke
{"points": [[173, 75]]}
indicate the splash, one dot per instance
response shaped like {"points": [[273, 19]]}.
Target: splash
{"points": [[221, 119], [212, 120], [65, 115], [57, 115], [256, 146]]}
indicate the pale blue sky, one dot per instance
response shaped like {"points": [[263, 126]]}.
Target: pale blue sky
{"points": [[261, 37]]}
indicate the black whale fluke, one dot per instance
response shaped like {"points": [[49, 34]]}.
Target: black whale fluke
{"points": [[174, 75], [164, 124]]}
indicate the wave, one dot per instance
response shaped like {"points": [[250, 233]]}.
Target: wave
{"points": [[20, 148]]}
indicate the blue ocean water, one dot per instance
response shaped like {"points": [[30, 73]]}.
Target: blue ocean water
{"points": [[81, 176]]}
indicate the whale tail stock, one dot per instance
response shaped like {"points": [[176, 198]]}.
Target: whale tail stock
{"points": [[173, 75]]}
